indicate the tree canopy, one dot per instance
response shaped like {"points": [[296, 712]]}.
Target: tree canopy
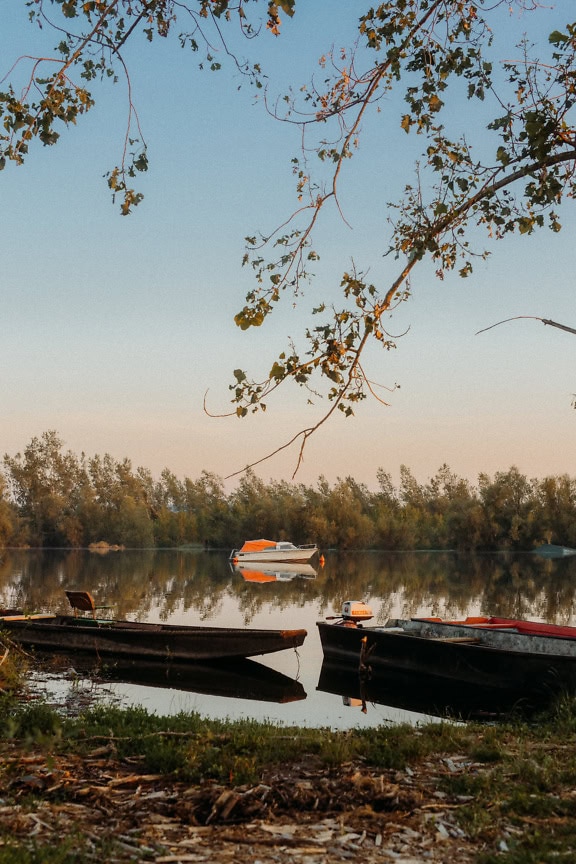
{"points": [[494, 120]]}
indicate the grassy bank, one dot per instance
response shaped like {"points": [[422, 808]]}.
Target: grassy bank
{"points": [[509, 790]]}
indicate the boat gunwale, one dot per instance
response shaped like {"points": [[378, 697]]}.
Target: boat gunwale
{"points": [[504, 644]]}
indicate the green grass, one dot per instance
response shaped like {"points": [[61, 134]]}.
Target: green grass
{"points": [[515, 789], [69, 851]]}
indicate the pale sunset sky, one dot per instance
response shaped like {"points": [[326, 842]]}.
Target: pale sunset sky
{"points": [[112, 329]]}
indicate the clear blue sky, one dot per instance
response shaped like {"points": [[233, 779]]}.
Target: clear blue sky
{"points": [[112, 329]]}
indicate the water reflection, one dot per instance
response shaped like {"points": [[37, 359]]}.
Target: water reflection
{"points": [[137, 582], [274, 572], [239, 679], [414, 693], [194, 587]]}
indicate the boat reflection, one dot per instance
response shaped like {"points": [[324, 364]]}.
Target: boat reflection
{"points": [[278, 572], [236, 679], [414, 692]]}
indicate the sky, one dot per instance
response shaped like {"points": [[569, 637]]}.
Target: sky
{"points": [[113, 330]]}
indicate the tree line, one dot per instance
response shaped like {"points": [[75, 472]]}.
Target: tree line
{"points": [[50, 497]]}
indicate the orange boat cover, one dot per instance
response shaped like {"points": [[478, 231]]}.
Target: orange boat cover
{"points": [[257, 545]]}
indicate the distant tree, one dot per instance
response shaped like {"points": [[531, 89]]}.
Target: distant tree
{"points": [[457, 508], [390, 528], [556, 510], [47, 486], [206, 502], [132, 526], [250, 509], [413, 65], [509, 508], [8, 516], [348, 514]]}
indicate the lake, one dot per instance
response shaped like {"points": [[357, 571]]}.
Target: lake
{"points": [[194, 587]]}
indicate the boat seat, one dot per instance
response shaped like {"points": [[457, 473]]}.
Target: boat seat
{"points": [[84, 602]]}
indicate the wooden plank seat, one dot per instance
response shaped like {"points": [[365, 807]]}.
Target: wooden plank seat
{"points": [[82, 601]]}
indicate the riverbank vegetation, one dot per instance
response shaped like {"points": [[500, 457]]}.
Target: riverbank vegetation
{"points": [[51, 497], [119, 785]]}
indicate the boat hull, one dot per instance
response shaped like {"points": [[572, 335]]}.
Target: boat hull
{"points": [[517, 666], [273, 556], [273, 552], [147, 641]]}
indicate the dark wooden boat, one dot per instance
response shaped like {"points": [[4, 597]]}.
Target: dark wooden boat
{"points": [[519, 657], [110, 637]]}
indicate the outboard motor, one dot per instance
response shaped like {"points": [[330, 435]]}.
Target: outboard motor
{"points": [[354, 612]]}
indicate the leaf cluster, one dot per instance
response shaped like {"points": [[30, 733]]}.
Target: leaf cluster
{"points": [[415, 65], [92, 35], [425, 49]]}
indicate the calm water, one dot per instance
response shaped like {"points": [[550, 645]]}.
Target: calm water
{"points": [[195, 587]]}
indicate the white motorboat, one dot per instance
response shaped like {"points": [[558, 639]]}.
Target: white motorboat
{"points": [[273, 551]]}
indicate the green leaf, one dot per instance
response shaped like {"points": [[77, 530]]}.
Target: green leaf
{"points": [[287, 6], [555, 38], [278, 372]]}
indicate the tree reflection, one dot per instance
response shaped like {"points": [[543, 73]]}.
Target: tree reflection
{"points": [[202, 586]]}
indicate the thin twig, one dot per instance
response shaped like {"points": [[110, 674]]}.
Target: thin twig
{"points": [[533, 318]]}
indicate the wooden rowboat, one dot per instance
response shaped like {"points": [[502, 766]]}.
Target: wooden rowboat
{"points": [[519, 657], [110, 637]]}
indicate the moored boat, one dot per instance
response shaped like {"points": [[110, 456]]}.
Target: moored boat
{"points": [[521, 657], [551, 550], [111, 637], [274, 551]]}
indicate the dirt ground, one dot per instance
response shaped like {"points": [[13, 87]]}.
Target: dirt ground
{"points": [[304, 811]]}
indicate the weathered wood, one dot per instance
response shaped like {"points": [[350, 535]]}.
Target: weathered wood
{"points": [[519, 657], [151, 641], [84, 602]]}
